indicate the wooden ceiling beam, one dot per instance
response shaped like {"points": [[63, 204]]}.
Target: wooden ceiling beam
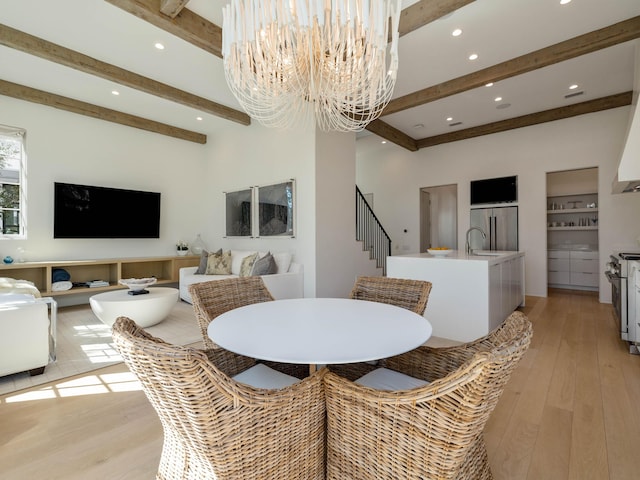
{"points": [[172, 8], [207, 35], [392, 134], [187, 25], [29, 94], [426, 11], [24, 42], [590, 42], [604, 103]]}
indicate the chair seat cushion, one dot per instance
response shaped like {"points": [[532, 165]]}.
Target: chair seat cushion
{"points": [[386, 379], [261, 376]]}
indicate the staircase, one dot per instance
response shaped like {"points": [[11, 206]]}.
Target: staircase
{"points": [[370, 232]]}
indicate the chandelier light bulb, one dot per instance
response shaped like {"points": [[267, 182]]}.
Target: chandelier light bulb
{"points": [[290, 61]]}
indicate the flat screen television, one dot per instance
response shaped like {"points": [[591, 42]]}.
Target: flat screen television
{"points": [[494, 190], [85, 211]]}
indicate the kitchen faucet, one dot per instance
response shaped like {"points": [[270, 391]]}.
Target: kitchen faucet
{"points": [[468, 245]]}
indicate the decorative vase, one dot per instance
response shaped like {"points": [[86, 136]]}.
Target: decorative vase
{"points": [[182, 253], [198, 245]]}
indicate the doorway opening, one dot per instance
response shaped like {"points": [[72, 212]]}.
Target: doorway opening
{"points": [[572, 229], [439, 217]]}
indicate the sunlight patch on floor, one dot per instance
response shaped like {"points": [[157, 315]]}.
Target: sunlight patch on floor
{"points": [[101, 353], [86, 385], [94, 331]]}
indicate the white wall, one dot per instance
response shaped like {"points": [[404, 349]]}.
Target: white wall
{"points": [[240, 157], [192, 178], [395, 176], [339, 257], [66, 147], [323, 166]]}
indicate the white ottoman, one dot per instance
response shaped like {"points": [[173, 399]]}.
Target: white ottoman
{"points": [[146, 310]]}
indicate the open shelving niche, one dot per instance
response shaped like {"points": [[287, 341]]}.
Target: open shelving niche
{"points": [[164, 269], [573, 268], [572, 214]]}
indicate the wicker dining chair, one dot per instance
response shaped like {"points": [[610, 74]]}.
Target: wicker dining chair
{"points": [[216, 427], [401, 292], [405, 293], [216, 297], [429, 432]]}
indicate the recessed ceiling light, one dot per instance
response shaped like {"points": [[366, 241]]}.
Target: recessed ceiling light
{"points": [[564, 2], [457, 32], [418, 126], [159, 46], [473, 56], [497, 99], [573, 87], [199, 118], [490, 84], [115, 92], [383, 141], [449, 119]]}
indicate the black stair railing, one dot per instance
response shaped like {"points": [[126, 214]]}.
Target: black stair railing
{"points": [[371, 233]]}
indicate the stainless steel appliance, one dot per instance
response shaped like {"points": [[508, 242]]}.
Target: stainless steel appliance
{"points": [[500, 225], [621, 272]]}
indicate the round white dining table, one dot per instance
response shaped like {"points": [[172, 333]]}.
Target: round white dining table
{"points": [[319, 330]]}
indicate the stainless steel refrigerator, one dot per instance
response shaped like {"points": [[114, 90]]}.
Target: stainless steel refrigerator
{"points": [[500, 225]]}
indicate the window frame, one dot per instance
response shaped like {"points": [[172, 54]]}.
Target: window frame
{"points": [[13, 133]]}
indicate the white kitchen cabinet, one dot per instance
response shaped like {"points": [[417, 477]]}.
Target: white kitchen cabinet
{"points": [[584, 269], [573, 269], [506, 289], [471, 294]]}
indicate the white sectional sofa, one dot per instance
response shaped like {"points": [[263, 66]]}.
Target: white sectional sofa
{"points": [[27, 335], [287, 282]]}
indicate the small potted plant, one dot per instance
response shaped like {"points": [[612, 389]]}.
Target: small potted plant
{"points": [[182, 248]]}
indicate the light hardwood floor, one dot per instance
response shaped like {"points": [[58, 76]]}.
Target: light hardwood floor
{"points": [[570, 411]]}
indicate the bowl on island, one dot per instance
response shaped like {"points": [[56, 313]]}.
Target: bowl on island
{"points": [[137, 284], [439, 251]]}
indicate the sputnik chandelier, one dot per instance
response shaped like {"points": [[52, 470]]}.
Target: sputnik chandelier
{"points": [[287, 61]]}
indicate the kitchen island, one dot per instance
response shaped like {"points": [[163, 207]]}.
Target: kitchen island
{"points": [[471, 294]]}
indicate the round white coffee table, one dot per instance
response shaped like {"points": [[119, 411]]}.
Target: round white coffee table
{"points": [[146, 310]]}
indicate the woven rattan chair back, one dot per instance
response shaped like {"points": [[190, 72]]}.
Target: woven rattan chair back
{"points": [[215, 427], [401, 292], [216, 297], [431, 432]]}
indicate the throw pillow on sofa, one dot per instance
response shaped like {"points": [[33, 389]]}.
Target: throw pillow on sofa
{"points": [[247, 264], [283, 261], [219, 264], [265, 265], [204, 258], [237, 256]]}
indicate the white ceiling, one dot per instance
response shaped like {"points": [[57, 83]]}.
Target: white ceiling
{"points": [[497, 30]]}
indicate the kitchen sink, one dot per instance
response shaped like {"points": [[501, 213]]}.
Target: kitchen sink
{"points": [[485, 253]]}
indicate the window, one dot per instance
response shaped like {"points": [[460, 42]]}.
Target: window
{"points": [[12, 169]]}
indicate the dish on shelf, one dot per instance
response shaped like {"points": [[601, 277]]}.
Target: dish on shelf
{"points": [[439, 251], [137, 284]]}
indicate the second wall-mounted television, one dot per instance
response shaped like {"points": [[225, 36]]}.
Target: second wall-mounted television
{"points": [[494, 190], [85, 211]]}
